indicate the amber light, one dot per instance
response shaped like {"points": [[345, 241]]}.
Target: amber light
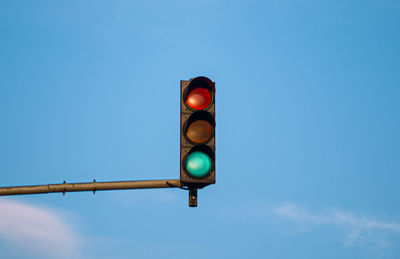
{"points": [[199, 131], [199, 99]]}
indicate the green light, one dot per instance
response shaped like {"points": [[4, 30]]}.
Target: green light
{"points": [[198, 164]]}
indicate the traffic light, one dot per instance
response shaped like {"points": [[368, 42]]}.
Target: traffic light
{"points": [[197, 168]]}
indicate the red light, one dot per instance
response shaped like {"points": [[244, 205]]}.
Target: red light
{"points": [[198, 99]]}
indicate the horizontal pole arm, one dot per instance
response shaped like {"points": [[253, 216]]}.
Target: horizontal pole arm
{"points": [[91, 186]]}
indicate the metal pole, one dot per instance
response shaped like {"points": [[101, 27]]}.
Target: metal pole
{"points": [[90, 186]]}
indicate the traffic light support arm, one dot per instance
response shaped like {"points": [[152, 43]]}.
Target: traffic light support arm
{"points": [[90, 186]]}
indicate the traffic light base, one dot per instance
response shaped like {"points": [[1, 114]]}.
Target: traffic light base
{"points": [[192, 197]]}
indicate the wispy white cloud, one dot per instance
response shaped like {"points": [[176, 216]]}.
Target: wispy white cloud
{"points": [[360, 230], [37, 231]]}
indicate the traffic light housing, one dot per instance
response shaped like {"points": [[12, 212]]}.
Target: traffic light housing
{"points": [[197, 130]]}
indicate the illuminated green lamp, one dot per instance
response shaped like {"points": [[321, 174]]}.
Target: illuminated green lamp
{"points": [[198, 164]]}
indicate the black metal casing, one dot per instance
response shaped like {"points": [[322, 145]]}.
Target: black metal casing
{"points": [[186, 145]]}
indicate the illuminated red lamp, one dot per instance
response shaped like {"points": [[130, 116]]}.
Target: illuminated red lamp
{"points": [[199, 98]]}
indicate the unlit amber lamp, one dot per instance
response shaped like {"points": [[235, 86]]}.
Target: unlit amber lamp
{"points": [[199, 131]]}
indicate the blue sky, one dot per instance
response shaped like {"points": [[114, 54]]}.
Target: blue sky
{"points": [[307, 129]]}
